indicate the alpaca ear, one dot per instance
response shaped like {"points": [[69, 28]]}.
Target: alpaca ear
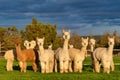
{"points": [[87, 38], [69, 31], [63, 30], [82, 38]]}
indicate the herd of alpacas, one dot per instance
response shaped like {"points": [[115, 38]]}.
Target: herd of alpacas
{"points": [[65, 59]]}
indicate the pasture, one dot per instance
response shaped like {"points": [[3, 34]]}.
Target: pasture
{"points": [[87, 73]]}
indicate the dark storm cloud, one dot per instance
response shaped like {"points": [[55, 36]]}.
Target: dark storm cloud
{"points": [[73, 14]]}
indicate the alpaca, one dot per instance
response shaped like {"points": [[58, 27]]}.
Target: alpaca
{"points": [[9, 56], [26, 44], [46, 57], [62, 54], [105, 56], [77, 56], [25, 55], [92, 44], [29, 45], [32, 44]]}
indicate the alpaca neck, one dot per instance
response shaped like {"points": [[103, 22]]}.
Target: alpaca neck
{"points": [[91, 48], [19, 52], [110, 49], [83, 49], [41, 49], [65, 45]]}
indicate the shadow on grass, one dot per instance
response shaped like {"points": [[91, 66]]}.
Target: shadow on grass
{"points": [[18, 68]]}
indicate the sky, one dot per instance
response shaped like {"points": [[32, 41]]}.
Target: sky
{"points": [[82, 16]]}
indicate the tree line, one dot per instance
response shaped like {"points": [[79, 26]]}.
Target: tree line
{"points": [[37, 29]]}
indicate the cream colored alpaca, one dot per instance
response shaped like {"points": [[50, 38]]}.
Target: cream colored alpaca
{"points": [[26, 44], [9, 56], [62, 54], [92, 44], [78, 56], [29, 45], [46, 57], [105, 56], [32, 44]]}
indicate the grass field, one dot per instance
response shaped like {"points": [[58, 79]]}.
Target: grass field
{"points": [[87, 73]]}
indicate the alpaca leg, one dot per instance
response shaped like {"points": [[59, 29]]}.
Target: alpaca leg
{"points": [[21, 66], [47, 67], [70, 66], [112, 65], [97, 66], [80, 66], [24, 67], [42, 67], [34, 66], [8, 65], [55, 65], [51, 64], [93, 65], [75, 66], [61, 67], [106, 67], [11, 65], [66, 66]]}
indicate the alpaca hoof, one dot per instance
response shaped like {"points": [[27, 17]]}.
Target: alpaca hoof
{"points": [[66, 70], [61, 71]]}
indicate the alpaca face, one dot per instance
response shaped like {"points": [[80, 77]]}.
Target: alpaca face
{"points": [[92, 42], [32, 44], [84, 42], [26, 43], [110, 41], [40, 41], [66, 34]]}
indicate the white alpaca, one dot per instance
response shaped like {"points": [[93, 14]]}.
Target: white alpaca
{"points": [[78, 56], [32, 44], [29, 45], [105, 56], [62, 54], [92, 44], [9, 56], [46, 57], [26, 44]]}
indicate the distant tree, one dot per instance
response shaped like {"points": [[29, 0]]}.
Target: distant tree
{"points": [[10, 34], [75, 40], [37, 29], [2, 34], [117, 40], [104, 39], [58, 42]]}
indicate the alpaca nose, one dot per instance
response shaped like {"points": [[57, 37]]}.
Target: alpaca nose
{"points": [[65, 36], [110, 43], [40, 44], [84, 43]]}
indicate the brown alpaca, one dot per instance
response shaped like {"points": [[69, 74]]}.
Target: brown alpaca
{"points": [[25, 55]]}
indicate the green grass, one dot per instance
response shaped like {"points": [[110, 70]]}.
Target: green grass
{"points": [[87, 73]]}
